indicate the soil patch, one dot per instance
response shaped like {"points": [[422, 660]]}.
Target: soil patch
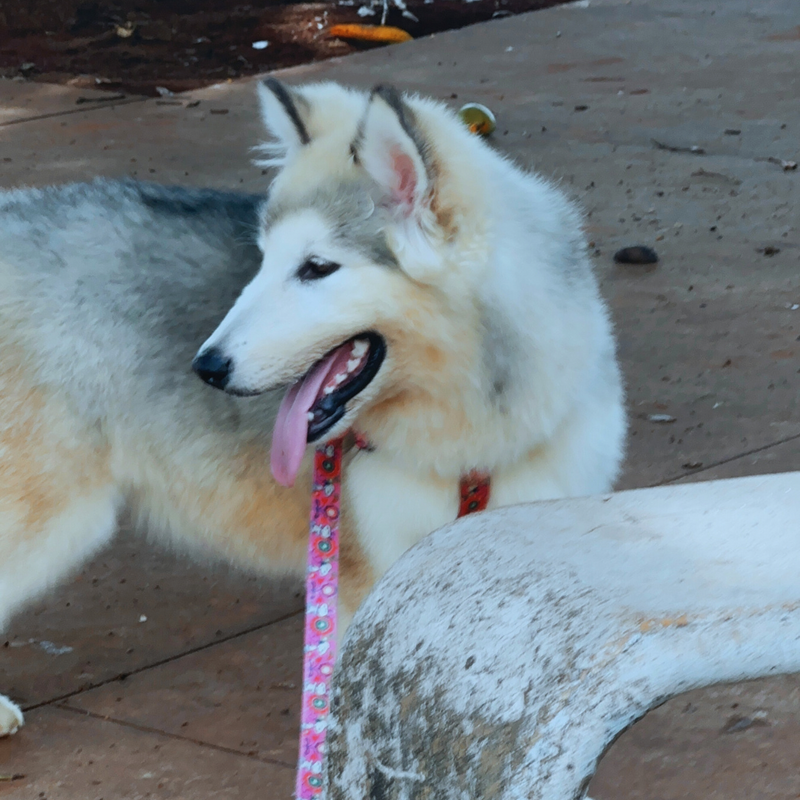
{"points": [[179, 45]]}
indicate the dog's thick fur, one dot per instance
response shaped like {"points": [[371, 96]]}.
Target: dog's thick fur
{"points": [[499, 351]]}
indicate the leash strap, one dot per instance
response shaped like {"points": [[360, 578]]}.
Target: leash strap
{"points": [[319, 651], [322, 579]]}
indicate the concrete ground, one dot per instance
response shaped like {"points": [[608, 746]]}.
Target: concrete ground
{"points": [[148, 676]]}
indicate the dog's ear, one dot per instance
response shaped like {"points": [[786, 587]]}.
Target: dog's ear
{"points": [[284, 112], [389, 148]]}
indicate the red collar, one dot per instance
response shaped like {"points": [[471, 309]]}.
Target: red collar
{"points": [[475, 491], [475, 487]]}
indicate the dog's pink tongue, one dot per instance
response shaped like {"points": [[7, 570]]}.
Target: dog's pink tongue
{"points": [[290, 436]]}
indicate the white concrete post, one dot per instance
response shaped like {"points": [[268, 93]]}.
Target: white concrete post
{"points": [[502, 655]]}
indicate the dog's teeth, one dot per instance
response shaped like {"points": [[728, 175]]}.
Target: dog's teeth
{"points": [[359, 348], [310, 416], [339, 378], [353, 363], [327, 390]]}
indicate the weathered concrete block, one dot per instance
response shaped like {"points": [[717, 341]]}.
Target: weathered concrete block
{"points": [[502, 655]]}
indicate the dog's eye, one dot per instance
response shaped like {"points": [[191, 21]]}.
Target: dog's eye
{"points": [[314, 268]]}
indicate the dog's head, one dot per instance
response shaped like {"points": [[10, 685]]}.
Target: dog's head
{"points": [[355, 295]]}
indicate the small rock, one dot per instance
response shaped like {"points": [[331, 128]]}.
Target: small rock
{"points": [[639, 254], [786, 166], [732, 131], [769, 250], [661, 418], [692, 465]]}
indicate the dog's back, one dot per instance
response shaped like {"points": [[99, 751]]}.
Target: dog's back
{"points": [[114, 284]]}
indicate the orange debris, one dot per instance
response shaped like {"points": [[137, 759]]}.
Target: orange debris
{"points": [[384, 34]]}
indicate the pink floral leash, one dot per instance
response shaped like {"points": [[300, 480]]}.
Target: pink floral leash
{"points": [[319, 650], [322, 578]]}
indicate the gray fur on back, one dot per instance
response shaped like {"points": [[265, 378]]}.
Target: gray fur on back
{"points": [[114, 286]]}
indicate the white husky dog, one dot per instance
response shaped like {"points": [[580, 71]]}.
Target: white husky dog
{"points": [[409, 283]]}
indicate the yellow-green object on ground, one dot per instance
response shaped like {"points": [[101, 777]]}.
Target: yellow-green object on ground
{"points": [[478, 118]]}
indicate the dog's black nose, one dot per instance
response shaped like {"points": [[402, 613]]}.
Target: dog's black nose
{"points": [[213, 367]]}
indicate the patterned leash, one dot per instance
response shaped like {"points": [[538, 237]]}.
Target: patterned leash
{"points": [[322, 576], [319, 651]]}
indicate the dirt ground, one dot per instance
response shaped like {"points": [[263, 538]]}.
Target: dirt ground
{"points": [[139, 46]]}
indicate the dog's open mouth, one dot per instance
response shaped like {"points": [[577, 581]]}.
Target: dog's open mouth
{"points": [[318, 400]]}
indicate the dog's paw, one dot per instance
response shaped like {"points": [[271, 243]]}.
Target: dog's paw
{"points": [[10, 717]]}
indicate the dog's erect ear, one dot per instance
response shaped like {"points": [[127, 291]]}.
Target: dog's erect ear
{"points": [[389, 148], [284, 112]]}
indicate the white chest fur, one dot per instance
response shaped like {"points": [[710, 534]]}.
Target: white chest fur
{"points": [[393, 508]]}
